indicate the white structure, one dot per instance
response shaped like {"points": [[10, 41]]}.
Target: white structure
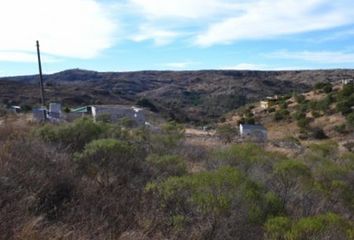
{"points": [[253, 132], [117, 112], [54, 110], [15, 109], [347, 81]]}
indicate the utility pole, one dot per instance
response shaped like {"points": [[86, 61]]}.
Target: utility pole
{"points": [[40, 75]]}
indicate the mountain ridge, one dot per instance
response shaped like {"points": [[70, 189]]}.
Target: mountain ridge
{"points": [[198, 96]]}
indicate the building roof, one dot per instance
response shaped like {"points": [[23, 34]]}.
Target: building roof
{"points": [[253, 127], [80, 109], [113, 107]]}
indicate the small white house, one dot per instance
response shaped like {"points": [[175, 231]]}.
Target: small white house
{"points": [[253, 132]]}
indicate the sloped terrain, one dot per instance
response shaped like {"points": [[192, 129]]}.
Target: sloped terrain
{"points": [[198, 96]]}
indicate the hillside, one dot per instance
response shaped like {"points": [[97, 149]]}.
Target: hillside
{"points": [[324, 113], [198, 96]]}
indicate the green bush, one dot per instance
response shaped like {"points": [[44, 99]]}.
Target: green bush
{"points": [[170, 136], [324, 149], [340, 128], [281, 114], [277, 228], [350, 119], [167, 165], [244, 156], [105, 158], [326, 226], [73, 136], [226, 133], [303, 123], [290, 175], [213, 193], [344, 107]]}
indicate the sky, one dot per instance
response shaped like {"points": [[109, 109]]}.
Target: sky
{"points": [[130, 35]]}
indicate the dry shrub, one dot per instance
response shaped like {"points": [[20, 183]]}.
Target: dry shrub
{"points": [[43, 196]]}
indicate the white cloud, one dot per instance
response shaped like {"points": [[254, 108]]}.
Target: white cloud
{"points": [[270, 18], [185, 9], [159, 36], [65, 28], [264, 67], [245, 66], [179, 65], [312, 56], [226, 21], [14, 56]]}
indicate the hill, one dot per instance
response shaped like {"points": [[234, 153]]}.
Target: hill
{"points": [[324, 113], [198, 96]]}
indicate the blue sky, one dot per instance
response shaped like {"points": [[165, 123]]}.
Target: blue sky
{"points": [[129, 35]]}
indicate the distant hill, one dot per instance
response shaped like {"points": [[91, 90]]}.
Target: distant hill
{"points": [[198, 96]]}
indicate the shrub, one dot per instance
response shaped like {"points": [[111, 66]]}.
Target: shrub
{"points": [[226, 133], [303, 123], [290, 175], [350, 119], [168, 139], [212, 194], [3, 111], [340, 128], [300, 98], [167, 165], [328, 88], [277, 228], [243, 156], [281, 114], [105, 159], [326, 226], [324, 149], [344, 107], [52, 199], [271, 110], [146, 103], [316, 114], [318, 133], [74, 135]]}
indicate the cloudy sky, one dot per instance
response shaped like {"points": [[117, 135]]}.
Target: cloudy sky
{"points": [[128, 35]]}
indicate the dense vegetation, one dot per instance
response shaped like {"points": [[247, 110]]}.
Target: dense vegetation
{"points": [[87, 180]]}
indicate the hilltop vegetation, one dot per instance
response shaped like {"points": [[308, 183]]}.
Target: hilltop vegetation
{"points": [[325, 112], [97, 180], [186, 96]]}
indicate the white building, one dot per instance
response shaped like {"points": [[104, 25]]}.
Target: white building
{"points": [[347, 81], [253, 132], [117, 112], [54, 111]]}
